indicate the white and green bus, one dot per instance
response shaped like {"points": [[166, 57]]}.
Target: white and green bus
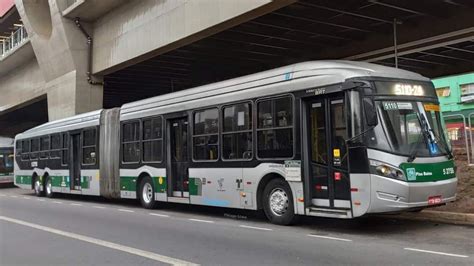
{"points": [[326, 138], [6, 160]]}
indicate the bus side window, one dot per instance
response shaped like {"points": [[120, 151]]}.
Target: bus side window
{"points": [[44, 147], [152, 140], [65, 149], [25, 151], [275, 128], [89, 147], [237, 132], [205, 135], [18, 149], [55, 152], [35, 147], [131, 142]]}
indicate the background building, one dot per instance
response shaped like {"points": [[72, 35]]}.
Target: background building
{"points": [[456, 96]]}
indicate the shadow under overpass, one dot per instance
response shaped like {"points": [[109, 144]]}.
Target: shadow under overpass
{"points": [[24, 117]]}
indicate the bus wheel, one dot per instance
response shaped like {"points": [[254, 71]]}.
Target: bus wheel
{"points": [[278, 202], [48, 187], [37, 187], [146, 193]]}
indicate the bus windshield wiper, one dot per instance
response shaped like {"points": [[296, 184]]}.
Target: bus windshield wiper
{"points": [[445, 146], [433, 139], [423, 133]]}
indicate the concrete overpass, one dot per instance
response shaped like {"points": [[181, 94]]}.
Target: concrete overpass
{"points": [[138, 49]]}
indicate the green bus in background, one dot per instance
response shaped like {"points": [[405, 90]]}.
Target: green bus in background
{"points": [[6, 160]]}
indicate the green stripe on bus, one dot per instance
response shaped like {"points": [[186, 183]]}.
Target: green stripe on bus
{"points": [[160, 184], [59, 181], [23, 179], [128, 183], [85, 183], [427, 172], [195, 186]]}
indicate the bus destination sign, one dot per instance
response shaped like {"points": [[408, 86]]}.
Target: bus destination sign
{"points": [[408, 89]]}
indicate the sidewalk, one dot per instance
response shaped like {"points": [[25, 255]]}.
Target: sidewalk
{"points": [[439, 216]]}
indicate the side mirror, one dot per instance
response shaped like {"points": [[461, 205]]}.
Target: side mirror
{"points": [[370, 111]]}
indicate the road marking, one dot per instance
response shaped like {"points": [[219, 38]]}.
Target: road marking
{"points": [[76, 204], [436, 252], [202, 221], [256, 228], [26, 197], [98, 207], [124, 210], [158, 214], [332, 238], [1, 195], [12, 196], [99, 242], [40, 199], [57, 202]]}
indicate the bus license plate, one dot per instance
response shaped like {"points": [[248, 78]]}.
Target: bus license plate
{"points": [[434, 200]]}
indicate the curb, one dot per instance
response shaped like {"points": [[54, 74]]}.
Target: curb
{"points": [[440, 216]]}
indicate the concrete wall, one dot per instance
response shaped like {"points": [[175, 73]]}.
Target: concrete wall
{"points": [[452, 103], [27, 83], [61, 54], [22, 85], [142, 29], [124, 35]]}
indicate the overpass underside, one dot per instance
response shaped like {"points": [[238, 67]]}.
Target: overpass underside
{"points": [[434, 39], [24, 117]]}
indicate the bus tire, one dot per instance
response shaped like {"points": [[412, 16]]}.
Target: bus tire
{"points": [[48, 187], [37, 186], [278, 202], [146, 193]]}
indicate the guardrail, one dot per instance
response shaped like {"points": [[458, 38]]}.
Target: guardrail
{"points": [[8, 44], [464, 135], [70, 3]]}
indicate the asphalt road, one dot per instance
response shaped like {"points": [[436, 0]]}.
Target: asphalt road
{"points": [[92, 231]]}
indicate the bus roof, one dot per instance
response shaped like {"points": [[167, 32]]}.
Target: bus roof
{"points": [[69, 123], [340, 69]]}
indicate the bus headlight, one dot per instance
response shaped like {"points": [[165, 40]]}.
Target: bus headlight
{"points": [[386, 170]]}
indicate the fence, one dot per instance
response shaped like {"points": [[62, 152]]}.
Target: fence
{"points": [[10, 43], [460, 132]]}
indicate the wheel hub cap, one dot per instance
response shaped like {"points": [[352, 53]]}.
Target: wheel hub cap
{"points": [[147, 193], [48, 187], [278, 201], [37, 186]]}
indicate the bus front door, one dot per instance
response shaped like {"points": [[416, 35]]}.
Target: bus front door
{"points": [[329, 185], [179, 162], [75, 161]]}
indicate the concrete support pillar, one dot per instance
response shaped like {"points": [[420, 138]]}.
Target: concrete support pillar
{"points": [[62, 54]]}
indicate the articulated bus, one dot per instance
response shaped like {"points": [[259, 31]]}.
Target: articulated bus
{"points": [[6, 160], [326, 138]]}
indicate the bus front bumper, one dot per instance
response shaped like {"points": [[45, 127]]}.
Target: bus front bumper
{"points": [[390, 195]]}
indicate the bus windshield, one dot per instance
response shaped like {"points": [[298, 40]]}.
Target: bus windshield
{"points": [[411, 128]]}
